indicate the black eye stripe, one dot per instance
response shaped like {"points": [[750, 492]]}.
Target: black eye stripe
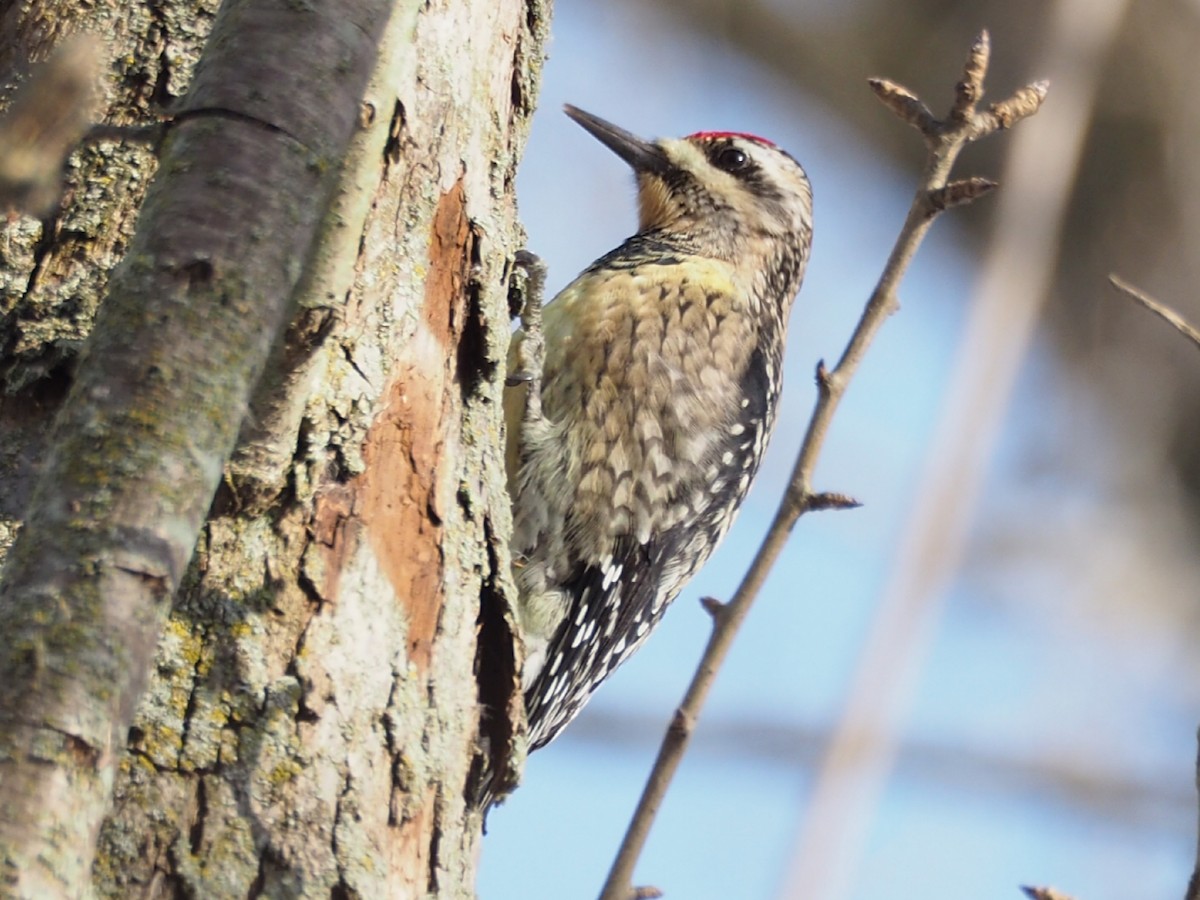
{"points": [[729, 157]]}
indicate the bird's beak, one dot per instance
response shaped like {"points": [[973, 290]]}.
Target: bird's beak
{"points": [[642, 156]]}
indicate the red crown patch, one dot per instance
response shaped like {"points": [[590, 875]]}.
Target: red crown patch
{"points": [[722, 135]]}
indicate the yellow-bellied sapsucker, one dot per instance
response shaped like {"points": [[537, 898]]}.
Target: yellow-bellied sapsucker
{"points": [[633, 442]]}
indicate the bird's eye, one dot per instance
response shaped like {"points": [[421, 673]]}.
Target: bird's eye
{"points": [[731, 159]]}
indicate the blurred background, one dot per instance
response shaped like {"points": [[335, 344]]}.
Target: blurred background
{"points": [[981, 679]]}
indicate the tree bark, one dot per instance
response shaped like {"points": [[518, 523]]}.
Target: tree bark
{"points": [[314, 722]]}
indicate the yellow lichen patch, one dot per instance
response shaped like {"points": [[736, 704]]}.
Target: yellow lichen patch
{"points": [[284, 771]]}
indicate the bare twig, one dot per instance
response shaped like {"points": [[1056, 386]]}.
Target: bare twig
{"points": [[1182, 325], [956, 193], [1020, 105], [1013, 282], [945, 140], [903, 103], [135, 134], [969, 91]]}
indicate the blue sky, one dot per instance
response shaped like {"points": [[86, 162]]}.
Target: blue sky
{"points": [[1015, 671]]}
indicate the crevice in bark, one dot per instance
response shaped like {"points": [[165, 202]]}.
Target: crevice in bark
{"points": [[304, 712], [160, 94], [196, 832], [341, 888], [189, 711], [491, 773], [393, 149], [15, 375], [348, 352], [176, 887], [474, 364], [46, 243], [435, 839], [260, 879]]}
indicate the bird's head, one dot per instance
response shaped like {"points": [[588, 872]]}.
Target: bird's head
{"points": [[725, 195]]}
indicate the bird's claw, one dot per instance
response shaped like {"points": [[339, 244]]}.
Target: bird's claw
{"points": [[526, 297]]}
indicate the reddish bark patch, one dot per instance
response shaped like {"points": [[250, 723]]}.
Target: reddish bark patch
{"points": [[399, 498], [410, 851], [399, 502], [333, 513], [449, 259]]}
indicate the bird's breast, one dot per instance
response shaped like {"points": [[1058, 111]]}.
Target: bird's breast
{"points": [[644, 372]]}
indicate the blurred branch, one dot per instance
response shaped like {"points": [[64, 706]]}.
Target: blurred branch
{"points": [[1193, 888], [1163, 312], [827, 57], [47, 118], [1044, 893], [1062, 783], [52, 113], [944, 140], [1015, 278]]}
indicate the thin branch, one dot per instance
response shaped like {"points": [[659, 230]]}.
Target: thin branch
{"points": [[957, 193], [1039, 170], [1182, 325], [1025, 102], [1086, 788], [134, 134], [903, 103], [968, 91], [945, 140]]}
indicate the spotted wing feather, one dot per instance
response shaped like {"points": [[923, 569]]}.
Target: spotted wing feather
{"points": [[614, 604]]}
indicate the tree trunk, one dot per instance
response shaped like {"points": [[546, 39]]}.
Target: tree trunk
{"points": [[318, 717]]}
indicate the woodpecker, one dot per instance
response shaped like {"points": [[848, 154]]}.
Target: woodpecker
{"points": [[638, 409]]}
